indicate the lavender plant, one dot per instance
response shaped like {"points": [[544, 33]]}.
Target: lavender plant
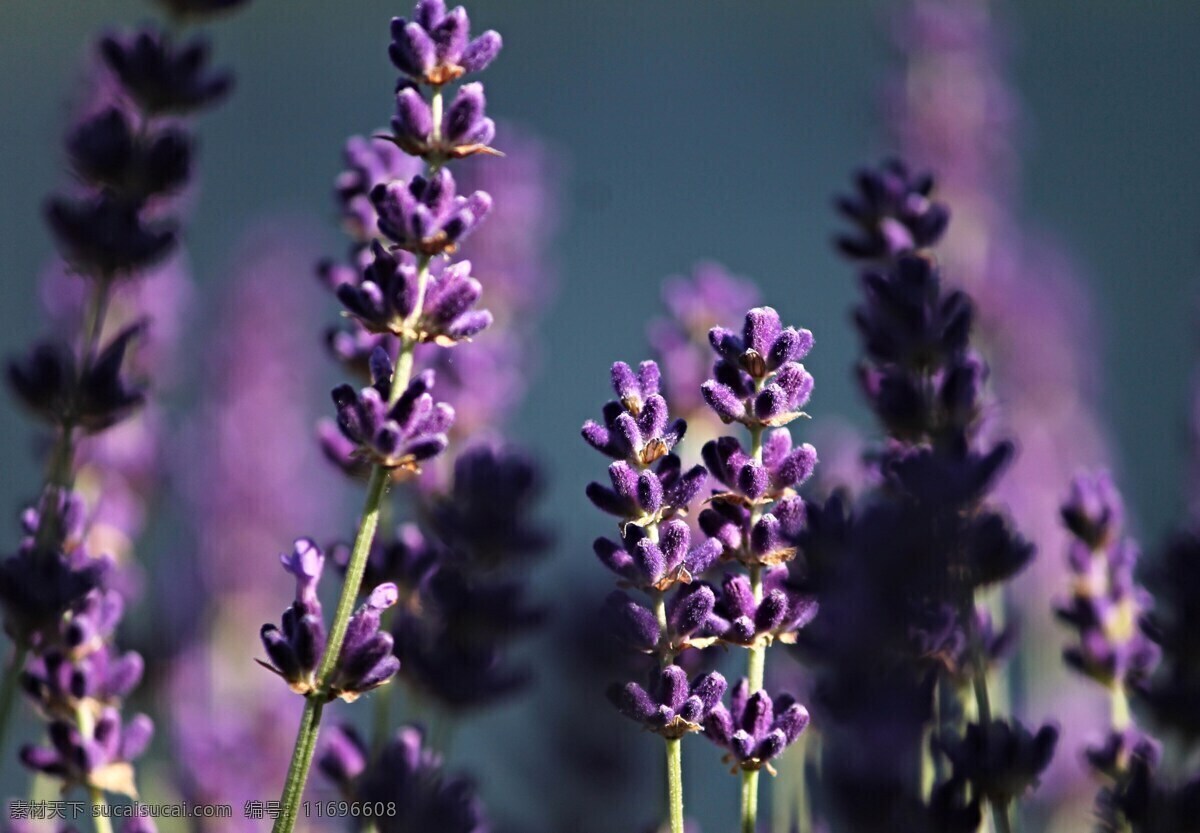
{"points": [[405, 292], [132, 155]]}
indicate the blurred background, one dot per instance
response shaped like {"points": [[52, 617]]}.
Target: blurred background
{"points": [[678, 133]]}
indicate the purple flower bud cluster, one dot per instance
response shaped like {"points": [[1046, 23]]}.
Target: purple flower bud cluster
{"points": [[755, 729], [901, 571], [1106, 607], [407, 776], [295, 648]]}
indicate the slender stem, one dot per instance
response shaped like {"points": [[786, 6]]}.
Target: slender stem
{"points": [[675, 783], [749, 801], [1119, 708], [302, 755], [757, 661], [100, 820], [8, 687]]}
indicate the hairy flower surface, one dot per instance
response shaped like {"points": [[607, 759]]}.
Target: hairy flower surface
{"points": [[755, 729], [436, 47], [672, 707]]}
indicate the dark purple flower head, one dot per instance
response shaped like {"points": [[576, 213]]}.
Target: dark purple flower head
{"points": [[649, 495], [409, 773], [295, 648], [370, 161], [435, 47], [892, 213], [104, 236], [49, 384], [107, 152], [343, 757], [427, 216], [399, 436], [1112, 756], [38, 588], [908, 320], [659, 564], [758, 379], [464, 131], [366, 660], [637, 424], [161, 77], [755, 729], [764, 345], [690, 621], [671, 707], [61, 684], [102, 759], [1094, 511], [485, 520], [1001, 761], [781, 471], [778, 616], [1106, 607], [1175, 578], [385, 297]]}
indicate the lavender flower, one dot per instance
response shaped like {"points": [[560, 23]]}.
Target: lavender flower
{"points": [[1106, 606], [1001, 761], [107, 152], [637, 427], [674, 707], [777, 615], [384, 300], [100, 757], [104, 236], [161, 77], [427, 215], [756, 728], [892, 212], [689, 621], [464, 130], [649, 564], [398, 436], [295, 649], [407, 776], [50, 385], [435, 47]]}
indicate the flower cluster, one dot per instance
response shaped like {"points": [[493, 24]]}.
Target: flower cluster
{"points": [[902, 572], [131, 154], [297, 647]]}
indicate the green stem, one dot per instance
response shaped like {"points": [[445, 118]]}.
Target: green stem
{"points": [[8, 688], [1120, 708], [675, 783], [302, 755], [749, 801]]}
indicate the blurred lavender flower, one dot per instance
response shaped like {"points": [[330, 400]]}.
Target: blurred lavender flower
{"points": [[161, 77], [99, 758], [408, 777], [892, 212], [755, 729]]}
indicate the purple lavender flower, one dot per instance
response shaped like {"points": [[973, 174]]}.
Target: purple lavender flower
{"points": [[648, 496], [673, 707], [1106, 606], [781, 470], [658, 565], [102, 236], [384, 299], [163, 78], [406, 774], [781, 612], [689, 619], [427, 215], [370, 161], [59, 684], [464, 131], [758, 379], [49, 384], [398, 436], [637, 426], [100, 758], [295, 649], [107, 152], [755, 729], [892, 213], [1001, 761], [436, 46]]}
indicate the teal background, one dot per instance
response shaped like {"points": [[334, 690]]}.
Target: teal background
{"points": [[692, 130]]}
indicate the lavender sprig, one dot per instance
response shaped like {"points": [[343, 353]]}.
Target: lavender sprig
{"points": [[649, 492], [395, 424], [758, 381], [131, 164]]}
